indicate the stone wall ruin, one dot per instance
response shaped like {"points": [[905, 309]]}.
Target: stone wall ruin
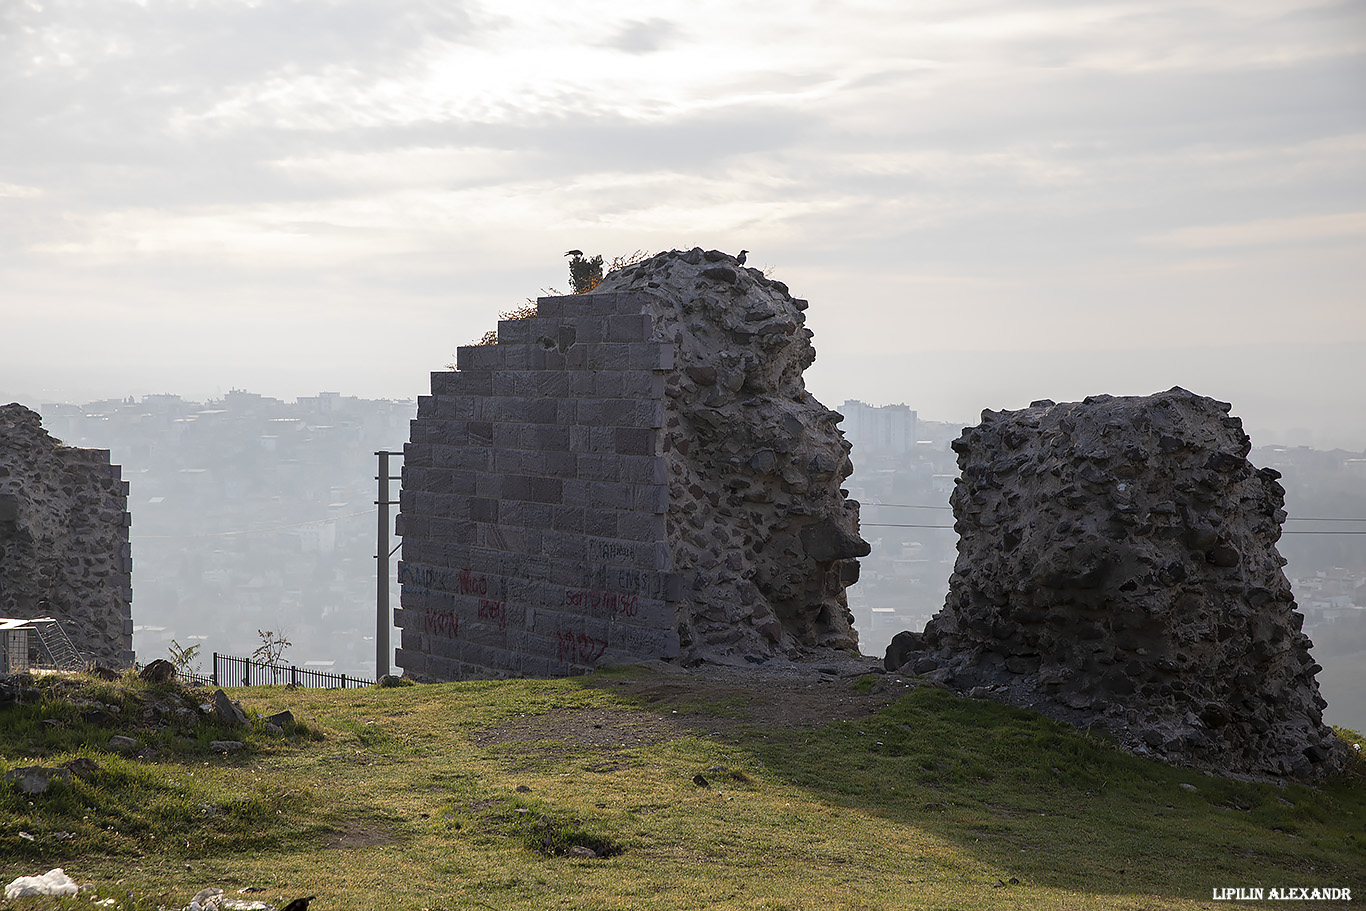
{"points": [[634, 473], [1117, 568], [64, 550]]}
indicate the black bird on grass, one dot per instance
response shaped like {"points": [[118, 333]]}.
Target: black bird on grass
{"points": [[299, 904]]}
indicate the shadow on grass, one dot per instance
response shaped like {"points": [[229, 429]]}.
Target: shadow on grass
{"points": [[1058, 807]]}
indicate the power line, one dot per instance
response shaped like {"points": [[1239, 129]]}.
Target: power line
{"points": [[904, 506], [1319, 519], [891, 525], [1288, 519], [1325, 532], [252, 531]]}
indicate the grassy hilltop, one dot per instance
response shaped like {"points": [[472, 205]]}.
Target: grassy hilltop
{"points": [[693, 791]]}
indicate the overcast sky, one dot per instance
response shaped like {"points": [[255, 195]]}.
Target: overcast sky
{"points": [[986, 201]]}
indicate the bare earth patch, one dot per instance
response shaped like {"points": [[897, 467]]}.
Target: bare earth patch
{"points": [[710, 700]]}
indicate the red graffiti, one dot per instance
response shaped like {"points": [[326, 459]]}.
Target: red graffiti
{"points": [[613, 603], [445, 625], [497, 611], [579, 648], [473, 583]]}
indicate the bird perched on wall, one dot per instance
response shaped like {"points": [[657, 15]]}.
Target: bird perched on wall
{"points": [[299, 904], [741, 258], [573, 253]]}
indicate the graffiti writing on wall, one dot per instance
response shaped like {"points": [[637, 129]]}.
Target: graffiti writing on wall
{"points": [[470, 583], [613, 603], [610, 551], [494, 611], [466, 582], [579, 648], [408, 574], [444, 625]]}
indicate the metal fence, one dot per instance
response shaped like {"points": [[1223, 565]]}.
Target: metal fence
{"points": [[231, 671]]}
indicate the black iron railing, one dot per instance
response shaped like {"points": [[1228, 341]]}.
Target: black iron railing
{"points": [[231, 671]]}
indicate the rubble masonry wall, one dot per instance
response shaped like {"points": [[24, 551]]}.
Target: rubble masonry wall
{"points": [[64, 549], [1117, 568]]}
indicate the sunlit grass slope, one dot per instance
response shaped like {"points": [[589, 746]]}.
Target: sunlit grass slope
{"points": [[437, 797]]}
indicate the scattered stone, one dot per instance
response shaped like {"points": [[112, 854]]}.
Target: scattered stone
{"points": [[701, 781], [281, 718], [105, 673], [226, 746], [582, 851], [158, 672], [523, 789], [35, 779], [98, 717], [1117, 568], [390, 680], [229, 712], [206, 900], [1188, 787], [82, 767], [121, 743]]}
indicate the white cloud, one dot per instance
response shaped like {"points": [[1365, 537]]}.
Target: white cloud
{"points": [[1270, 231], [944, 173]]}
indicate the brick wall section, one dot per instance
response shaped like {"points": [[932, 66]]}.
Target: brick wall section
{"points": [[64, 549], [534, 500]]}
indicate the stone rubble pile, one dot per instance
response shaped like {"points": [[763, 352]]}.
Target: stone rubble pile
{"points": [[64, 548], [1117, 568], [756, 514]]}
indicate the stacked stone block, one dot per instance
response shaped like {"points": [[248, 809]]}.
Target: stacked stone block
{"points": [[64, 549], [534, 500]]}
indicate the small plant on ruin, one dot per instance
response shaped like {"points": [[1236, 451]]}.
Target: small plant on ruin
{"points": [[272, 647], [186, 658], [584, 276], [621, 262]]}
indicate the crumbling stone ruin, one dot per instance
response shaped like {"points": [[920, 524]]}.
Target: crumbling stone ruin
{"points": [[634, 473], [1117, 568], [64, 550]]}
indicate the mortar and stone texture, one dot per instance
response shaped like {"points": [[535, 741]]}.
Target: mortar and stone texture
{"points": [[634, 473], [64, 550], [1117, 569]]}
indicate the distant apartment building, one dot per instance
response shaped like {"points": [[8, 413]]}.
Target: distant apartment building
{"points": [[886, 428]]}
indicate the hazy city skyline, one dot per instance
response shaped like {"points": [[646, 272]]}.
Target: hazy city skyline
{"points": [[986, 203]]}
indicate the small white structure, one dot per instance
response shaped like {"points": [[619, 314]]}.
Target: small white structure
{"points": [[14, 645]]}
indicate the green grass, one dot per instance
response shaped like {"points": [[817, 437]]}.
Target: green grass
{"points": [[396, 799]]}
